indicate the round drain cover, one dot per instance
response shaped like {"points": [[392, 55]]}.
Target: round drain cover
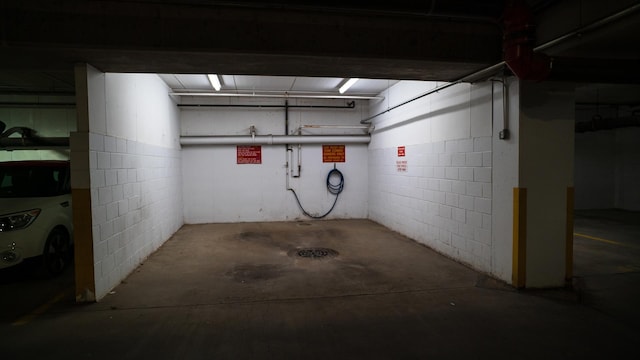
{"points": [[315, 253]]}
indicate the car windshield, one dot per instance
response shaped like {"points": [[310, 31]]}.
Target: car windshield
{"points": [[33, 181]]}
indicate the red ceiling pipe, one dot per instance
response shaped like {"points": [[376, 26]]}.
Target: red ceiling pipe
{"points": [[519, 41]]}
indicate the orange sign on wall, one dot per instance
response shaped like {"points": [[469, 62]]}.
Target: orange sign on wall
{"points": [[333, 153]]}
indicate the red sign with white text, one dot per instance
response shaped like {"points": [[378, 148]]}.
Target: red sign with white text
{"points": [[249, 154], [401, 151]]}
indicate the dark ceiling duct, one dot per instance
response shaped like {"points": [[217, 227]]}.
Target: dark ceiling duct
{"points": [[519, 42], [599, 123], [477, 10], [28, 140]]}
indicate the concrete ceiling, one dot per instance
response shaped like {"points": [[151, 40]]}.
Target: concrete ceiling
{"points": [[307, 45], [277, 84]]}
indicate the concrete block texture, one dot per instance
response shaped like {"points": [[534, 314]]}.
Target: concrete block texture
{"points": [[219, 189], [607, 169], [135, 169], [460, 167], [118, 212]]}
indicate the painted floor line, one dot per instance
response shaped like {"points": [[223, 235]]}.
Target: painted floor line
{"points": [[600, 239], [39, 310]]}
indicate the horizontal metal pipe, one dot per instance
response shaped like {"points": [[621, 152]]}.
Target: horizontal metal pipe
{"points": [[597, 123], [494, 68], [350, 105], [38, 93], [434, 90], [34, 147], [274, 139], [594, 25], [30, 105], [34, 143], [335, 126]]}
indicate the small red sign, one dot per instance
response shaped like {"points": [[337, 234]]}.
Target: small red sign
{"points": [[249, 154], [333, 153], [401, 151]]}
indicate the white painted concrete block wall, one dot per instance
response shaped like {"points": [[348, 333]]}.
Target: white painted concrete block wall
{"points": [[595, 179], [607, 169], [135, 172], [444, 199], [627, 169], [217, 189], [506, 165]]}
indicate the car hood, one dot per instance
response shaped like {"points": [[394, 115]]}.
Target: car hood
{"points": [[12, 205]]}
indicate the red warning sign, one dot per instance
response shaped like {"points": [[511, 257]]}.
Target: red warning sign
{"points": [[333, 153], [249, 154], [401, 151]]}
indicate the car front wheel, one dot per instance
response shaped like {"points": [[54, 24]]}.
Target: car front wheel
{"points": [[57, 251]]}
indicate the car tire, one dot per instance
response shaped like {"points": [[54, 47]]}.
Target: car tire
{"points": [[57, 251]]}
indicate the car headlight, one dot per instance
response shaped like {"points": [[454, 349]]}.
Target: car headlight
{"points": [[19, 220]]}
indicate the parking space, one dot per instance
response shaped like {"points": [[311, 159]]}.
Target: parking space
{"points": [[607, 261], [342, 289], [28, 290], [257, 262], [382, 181], [606, 242]]}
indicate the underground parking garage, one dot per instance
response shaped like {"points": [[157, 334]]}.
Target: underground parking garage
{"points": [[198, 244], [155, 163], [173, 175]]}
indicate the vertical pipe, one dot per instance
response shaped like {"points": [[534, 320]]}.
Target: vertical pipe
{"points": [[505, 109], [286, 118], [299, 153], [286, 146], [492, 104], [504, 133]]}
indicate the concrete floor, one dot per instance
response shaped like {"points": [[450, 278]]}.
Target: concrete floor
{"points": [[607, 262], [239, 291]]}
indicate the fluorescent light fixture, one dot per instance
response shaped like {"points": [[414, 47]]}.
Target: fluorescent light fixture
{"points": [[276, 94], [347, 85], [215, 81]]}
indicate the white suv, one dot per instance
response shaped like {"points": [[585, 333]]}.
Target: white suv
{"points": [[35, 213]]}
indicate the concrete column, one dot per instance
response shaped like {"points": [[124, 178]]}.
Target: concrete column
{"points": [[81, 192], [533, 184], [543, 197]]}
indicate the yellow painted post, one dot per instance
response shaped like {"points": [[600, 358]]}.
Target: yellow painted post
{"points": [[519, 270], [569, 235], [83, 244]]}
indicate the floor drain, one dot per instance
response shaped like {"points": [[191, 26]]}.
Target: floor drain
{"points": [[316, 253]]}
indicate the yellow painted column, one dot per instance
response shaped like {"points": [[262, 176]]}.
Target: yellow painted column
{"points": [[81, 192], [569, 235], [519, 271], [83, 245]]}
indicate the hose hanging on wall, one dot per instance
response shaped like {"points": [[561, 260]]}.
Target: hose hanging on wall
{"points": [[334, 188]]}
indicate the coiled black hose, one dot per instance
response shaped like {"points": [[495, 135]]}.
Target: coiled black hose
{"points": [[334, 188]]}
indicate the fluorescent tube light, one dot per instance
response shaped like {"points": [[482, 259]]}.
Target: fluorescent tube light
{"points": [[215, 81], [347, 85]]}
